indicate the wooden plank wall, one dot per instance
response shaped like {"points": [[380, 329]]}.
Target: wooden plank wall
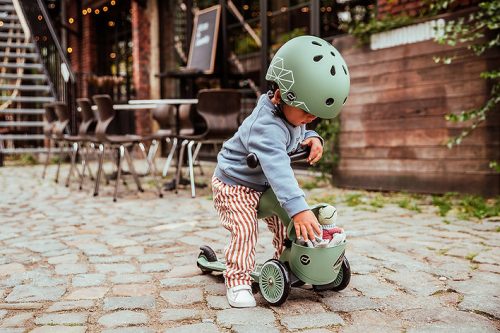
{"points": [[393, 131]]}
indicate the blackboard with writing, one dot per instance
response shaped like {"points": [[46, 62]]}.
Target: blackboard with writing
{"points": [[204, 40]]}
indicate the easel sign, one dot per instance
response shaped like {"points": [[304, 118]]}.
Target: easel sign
{"points": [[204, 40]]}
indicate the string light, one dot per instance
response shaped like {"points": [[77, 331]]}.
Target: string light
{"points": [[70, 50], [71, 20], [1, 23], [84, 12], [105, 8], [40, 17], [97, 11], [111, 24], [112, 55], [113, 2]]}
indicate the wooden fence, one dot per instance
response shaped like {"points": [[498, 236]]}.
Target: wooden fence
{"points": [[393, 130]]}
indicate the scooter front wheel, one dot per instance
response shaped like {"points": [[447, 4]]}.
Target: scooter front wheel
{"points": [[209, 255], [274, 282]]}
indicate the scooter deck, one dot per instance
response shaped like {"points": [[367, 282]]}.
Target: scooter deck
{"points": [[220, 266]]}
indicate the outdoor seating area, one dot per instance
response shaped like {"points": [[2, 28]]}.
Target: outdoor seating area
{"points": [[182, 128]]}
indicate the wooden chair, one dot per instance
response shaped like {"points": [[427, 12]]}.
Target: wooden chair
{"points": [[106, 134], [164, 116], [219, 109], [50, 119]]}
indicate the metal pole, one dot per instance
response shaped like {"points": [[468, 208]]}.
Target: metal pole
{"points": [[314, 18], [225, 49], [189, 24], [264, 50]]}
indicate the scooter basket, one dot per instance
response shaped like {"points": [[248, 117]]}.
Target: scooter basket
{"points": [[317, 266]]}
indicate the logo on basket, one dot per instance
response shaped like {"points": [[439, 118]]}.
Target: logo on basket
{"points": [[305, 260]]}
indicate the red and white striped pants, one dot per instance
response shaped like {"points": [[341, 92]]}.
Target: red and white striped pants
{"points": [[237, 208]]}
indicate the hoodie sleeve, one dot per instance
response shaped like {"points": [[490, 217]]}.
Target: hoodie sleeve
{"points": [[311, 134], [269, 141]]}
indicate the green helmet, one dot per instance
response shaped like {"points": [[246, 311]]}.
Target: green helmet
{"points": [[311, 75]]}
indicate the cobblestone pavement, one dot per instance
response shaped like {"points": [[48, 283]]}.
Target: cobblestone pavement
{"points": [[70, 262]]}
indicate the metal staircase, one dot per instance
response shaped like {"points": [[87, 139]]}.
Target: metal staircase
{"points": [[24, 86]]}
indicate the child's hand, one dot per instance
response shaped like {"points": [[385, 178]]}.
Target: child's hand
{"points": [[316, 149], [306, 225]]}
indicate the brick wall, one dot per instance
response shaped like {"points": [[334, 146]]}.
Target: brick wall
{"points": [[83, 58], [142, 63]]}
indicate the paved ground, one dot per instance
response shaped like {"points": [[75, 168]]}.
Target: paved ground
{"points": [[73, 263]]}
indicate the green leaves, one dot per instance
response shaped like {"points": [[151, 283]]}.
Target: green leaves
{"points": [[329, 130], [480, 30]]}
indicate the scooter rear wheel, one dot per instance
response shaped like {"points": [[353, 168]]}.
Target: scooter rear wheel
{"points": [[209, 255], [342, 280], [274, 282]]}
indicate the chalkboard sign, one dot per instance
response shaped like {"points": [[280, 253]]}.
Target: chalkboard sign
{"points": [[204, 40]]}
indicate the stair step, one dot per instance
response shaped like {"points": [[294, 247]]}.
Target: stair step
{"points": [[21, 65], [21, 123], [22, 137], [10, 17], [6, 2], [19, 55], [26, 150], [25, 87], [13, 35], [4, 8], [17, 45], [9, 26], [22, 111], [23, 76], [28, 99]]}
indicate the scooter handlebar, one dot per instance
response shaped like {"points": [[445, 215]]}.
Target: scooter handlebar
{"points": [[253, 161]]}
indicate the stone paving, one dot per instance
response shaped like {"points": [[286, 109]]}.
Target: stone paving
{"points": [[70, 262]]}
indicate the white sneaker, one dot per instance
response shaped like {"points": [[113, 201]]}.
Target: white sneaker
{"points": [[240, 296]]}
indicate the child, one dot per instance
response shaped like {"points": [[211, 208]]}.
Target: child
{"points": [[312, 81]]}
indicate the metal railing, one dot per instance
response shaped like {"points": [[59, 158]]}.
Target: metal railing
{"points": [[62, 80]]}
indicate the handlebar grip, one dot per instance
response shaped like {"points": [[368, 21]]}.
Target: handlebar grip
{"points": [[253, 161]]}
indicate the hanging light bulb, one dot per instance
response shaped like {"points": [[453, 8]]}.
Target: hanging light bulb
{"points": [[71, 20], [70, 49]]}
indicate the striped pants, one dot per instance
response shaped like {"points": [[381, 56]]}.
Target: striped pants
{"points": [[237, 209]]}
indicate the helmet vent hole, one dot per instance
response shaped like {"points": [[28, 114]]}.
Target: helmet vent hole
{"points": [[318, 58], [345, 70], [332, 70], [316, 43], [333, 54], [345, 99], [330, 101]]}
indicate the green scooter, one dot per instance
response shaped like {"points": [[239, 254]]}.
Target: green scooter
{"points": [[324, 268]]}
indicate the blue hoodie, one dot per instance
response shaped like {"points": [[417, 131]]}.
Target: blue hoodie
{"points": [[271, 138]]}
